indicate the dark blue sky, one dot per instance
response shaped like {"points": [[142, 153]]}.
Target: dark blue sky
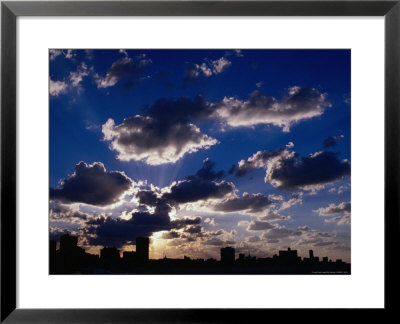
{"points": [[159, 116]]}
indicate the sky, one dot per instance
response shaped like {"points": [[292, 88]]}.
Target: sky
{"points": [[201, 149]]}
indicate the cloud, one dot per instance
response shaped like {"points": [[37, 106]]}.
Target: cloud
{"points": [[210, 221], [314, 237], [74, 81], [183, 222], [220, 65], [118, 232], [298, 104], [280, 232], [196, 189], [54, 53], [57, 87], [161, 136], [56, 233], [296, 198], [261, 159], [193, 188], [253, 239], [257, 225], [91, 184], [303, 228], [331, 141], [199, 186], [285, 170], [77, 76], [273, 215], [251, 203], [308, 173], [207, 173], [206, 69], [62, 212], [341, 212], [340, 220], [332, 209], [123, 68]]}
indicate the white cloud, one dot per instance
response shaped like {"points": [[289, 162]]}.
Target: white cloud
{"points": [[57, 88], [138, 138], [77, 76], [297, 105], [332, 209]]}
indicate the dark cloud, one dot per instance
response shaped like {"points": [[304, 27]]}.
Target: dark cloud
{"points": [[125, 67], [253, 239], [331, 141], [259, 226], [96, 221], [252, 203], [259, 160], [112, 231], [180, 110], [280, 232], [193, 188], [64, 212], [55, 233], [147, 197], [91, 184], [207, 173], [171, 235], [164, 134], [197, 189], [119, 231], [183, 222], [316, 169], [215, 241], [287, 171]]}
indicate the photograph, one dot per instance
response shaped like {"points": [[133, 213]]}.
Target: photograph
{"points": [[199, 161]]}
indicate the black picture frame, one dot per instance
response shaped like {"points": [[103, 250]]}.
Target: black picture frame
{"points": [[10, 10]]}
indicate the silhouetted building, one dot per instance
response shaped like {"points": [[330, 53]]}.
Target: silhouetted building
{"points": [[325, 259], [142, 249], [52, 247], [129, 257], [312, 259], [109, 255], [241, 257], [68, 243], [288, 257], [227, 255]]}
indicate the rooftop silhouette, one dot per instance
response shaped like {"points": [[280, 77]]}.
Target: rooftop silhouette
{"points": [[72, 259]]}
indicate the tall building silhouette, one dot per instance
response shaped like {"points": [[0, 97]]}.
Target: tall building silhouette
{"points": [[109, 255], [289, 257], [68, 244], [142, 249], [228, 255]]}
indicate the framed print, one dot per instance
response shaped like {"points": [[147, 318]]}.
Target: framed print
{"points": [[155, 152]]}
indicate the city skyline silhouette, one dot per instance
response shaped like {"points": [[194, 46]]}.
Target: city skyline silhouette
{"points": [[71, 259]]}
